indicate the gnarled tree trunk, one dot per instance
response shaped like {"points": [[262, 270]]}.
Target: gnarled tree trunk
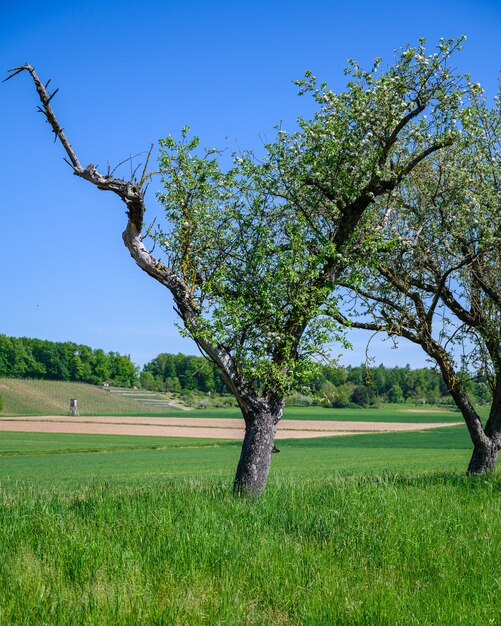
{"points": [[261, 414], [255, 458], [486, 441], [483, 459], [485, 456]]}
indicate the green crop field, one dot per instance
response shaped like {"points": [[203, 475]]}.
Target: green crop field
{"points": [[78, 459], [385, 413], [368, 529]]}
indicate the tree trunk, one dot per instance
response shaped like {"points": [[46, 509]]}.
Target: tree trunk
{"points": [[257, 448], [484, 457], [483, 460], [485, 440]]}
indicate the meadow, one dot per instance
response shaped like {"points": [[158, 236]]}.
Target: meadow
{"points": [[367, 529], [74, 460]]}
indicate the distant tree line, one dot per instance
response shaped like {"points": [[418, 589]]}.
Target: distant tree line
{"points": [[369, 386], [337, 386], [21, 357], [332, 386], [179, 373]]}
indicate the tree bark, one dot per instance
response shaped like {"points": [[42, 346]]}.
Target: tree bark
{"points": [[486, 441], [483, 460], [484, 457], [257, 448]]}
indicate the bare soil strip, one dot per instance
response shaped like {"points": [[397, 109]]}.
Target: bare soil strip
{"points": [[210, 428]]}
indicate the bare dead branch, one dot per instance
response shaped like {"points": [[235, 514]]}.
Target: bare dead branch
{"points": [[52, 94], [129, 158], [49, 113], [142, 180], [15, 70]]}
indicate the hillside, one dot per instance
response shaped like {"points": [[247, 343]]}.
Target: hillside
{"points": [[44, 397]]}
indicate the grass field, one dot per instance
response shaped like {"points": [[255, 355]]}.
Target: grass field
{"points": [[379, 529], [385, 413], [379, 549], [77, 459]]}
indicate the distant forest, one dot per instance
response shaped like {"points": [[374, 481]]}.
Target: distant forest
{"points": [[190, 376], [21, 357], [334, 386]]}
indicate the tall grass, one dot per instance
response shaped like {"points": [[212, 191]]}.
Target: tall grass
{"points": [[345, 550]]}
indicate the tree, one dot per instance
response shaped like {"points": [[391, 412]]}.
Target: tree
{"points": [[85, 355], [149, 382], [16, 359], [396, 394], [122, 371], [172, 384], [54, 357], [364, 396], [100, 366], [251, 253], [437, 283]]}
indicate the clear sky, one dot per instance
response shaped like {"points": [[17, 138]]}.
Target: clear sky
{"points": [[130, 73]]}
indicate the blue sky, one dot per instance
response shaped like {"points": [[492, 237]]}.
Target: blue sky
{"points": [[130, 73]]}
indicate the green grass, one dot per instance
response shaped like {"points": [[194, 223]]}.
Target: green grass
{"points": [[368, 529], [342, 550], [78, 459], [386, 413], [21, 443]]}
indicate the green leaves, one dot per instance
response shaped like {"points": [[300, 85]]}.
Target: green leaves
{"points": [[436, 269], [261, 242], [249, 259], [371, 132]]}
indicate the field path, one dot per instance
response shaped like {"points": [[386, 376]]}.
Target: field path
{"points": [[201, 427]]}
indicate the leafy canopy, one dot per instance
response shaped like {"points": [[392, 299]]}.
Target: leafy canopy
{"points": [[436, 279], [260, 243]]}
